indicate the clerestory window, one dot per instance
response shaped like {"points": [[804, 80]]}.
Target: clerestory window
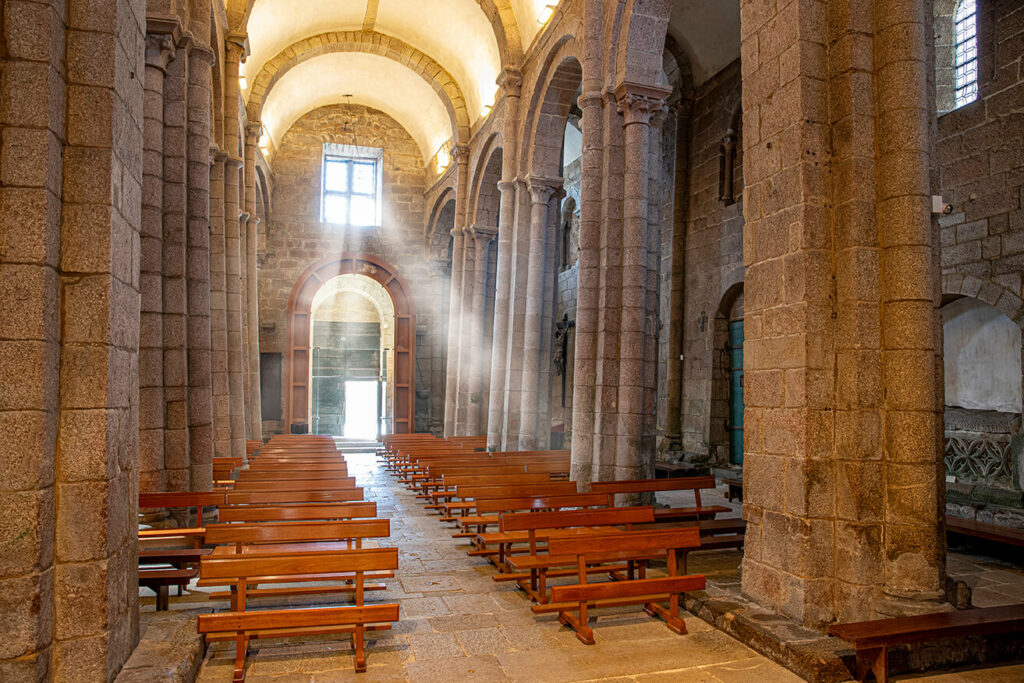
{"points": [[351, 192], [965, 57]]}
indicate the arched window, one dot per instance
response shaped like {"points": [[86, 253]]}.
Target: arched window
{"points": [[966, 52]]}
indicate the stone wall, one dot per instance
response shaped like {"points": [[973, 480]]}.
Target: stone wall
{"points": [[296, 238], [714, 264]]}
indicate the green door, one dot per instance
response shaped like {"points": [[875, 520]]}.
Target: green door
{"points": [[736, 392]]}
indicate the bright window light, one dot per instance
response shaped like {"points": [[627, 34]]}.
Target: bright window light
{"points": [[486, 111], [351, 185], [242, 83], [443, 159], [966, 52], [545, 14]]}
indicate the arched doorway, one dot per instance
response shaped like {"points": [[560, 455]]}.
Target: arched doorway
{"points": [[299, 371]]}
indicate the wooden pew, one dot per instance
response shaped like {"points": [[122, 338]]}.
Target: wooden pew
{"points": [[240, 625], [196, 500], [488, 510], [296, 512], [582, 596], [184, 567], [871, 639], [291, 474], [695, 484], [468, 495], [290, 497], [450, 482], [539, 564], [296, 484], [984, 530], [349, 533]]}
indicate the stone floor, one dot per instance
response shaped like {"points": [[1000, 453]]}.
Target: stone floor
{"points": [[457, 624]]}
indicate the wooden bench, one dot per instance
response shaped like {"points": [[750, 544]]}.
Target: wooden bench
{"points": [[289, 497], [488, 510], [184, 563], [195, 500], [292, 475], [871, 639], [240, 625], [467, 495], [582, 596], [695, 484], [735, 489], [984, 530], [296, 484], [297, 512]]}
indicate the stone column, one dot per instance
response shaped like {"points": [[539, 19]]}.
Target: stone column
{"points": [[510, 82], [243, 279], [466, 340], [251, 302], [482, 237], [93, 616], [537, 280], [451, 383], [218, 311], [677, 299], [635, 445], [159, 51], [232, 248], [843, 492], [175, 299], [200, 393]]}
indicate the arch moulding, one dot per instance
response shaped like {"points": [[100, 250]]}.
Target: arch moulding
{"points": [[300, 318]]}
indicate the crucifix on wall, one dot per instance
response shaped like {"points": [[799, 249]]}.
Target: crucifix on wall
{"points": [[562, 348]]}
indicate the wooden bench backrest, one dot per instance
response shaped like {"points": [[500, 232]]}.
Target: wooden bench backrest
{"points": [[491, 505], [688, 537], [296, 484], [460, 470], [275, 513], [520, 455], [524, 521], [284, 475], [284, 497], [516, 490], [493, 479], [651, 485], [297, 532], [180, 499], [240, 567], [227, 622]]}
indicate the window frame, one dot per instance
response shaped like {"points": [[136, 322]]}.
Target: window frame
{"points": [[349, 156], [965, 42]]}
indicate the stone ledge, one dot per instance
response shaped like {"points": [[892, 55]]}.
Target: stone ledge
{"points": [[820, 659], [170, 649]]}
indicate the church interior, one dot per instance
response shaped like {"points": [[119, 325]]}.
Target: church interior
{"points": [[330, 331]]}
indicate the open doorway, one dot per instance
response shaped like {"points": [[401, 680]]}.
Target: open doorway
{"points": [[351, 371]]}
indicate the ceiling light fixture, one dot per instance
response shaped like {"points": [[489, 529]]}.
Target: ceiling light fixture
{"points": [[546, 14]]}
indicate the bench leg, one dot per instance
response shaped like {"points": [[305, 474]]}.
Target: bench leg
{"points": [[162, 599], [584, 633], [241, 648], [874, 659], [358, 642]]}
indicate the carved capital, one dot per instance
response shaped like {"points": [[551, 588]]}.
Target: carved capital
{"points": [[159, 50], [510, 81], [460, 154], [542, 189], [507, 186], [236, 46], [482, 233], [638, 103], [252, 132]]}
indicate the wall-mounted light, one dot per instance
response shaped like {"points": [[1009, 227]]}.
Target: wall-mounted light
{"points": [[242, 83], [546, 13], [486, 111], [443, 160]]}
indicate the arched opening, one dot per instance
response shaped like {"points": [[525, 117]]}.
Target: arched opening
{"points": [[725, 442], [304, 361], [351, 373], [983, 389]]}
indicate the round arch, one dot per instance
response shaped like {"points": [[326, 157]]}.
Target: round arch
{"points": [[297, 395]]}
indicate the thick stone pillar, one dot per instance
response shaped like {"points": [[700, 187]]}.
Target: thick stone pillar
{"points": [[482, 237], [635, 448], [510, 82], [218, 311], [677, 299], [466, 340], [542, 190], [200, 393], [159, 51], [232, 247], [243, 279], [251, 301], [843, 464], [451, 383], [175, 299]]}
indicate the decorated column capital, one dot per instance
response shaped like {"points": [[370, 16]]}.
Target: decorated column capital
{"points": [[542, 189], [482, 233], [507, 185], [460, 154], [160, 50], [510, 81], [252, 132], [638, 103], [236, 43]]}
